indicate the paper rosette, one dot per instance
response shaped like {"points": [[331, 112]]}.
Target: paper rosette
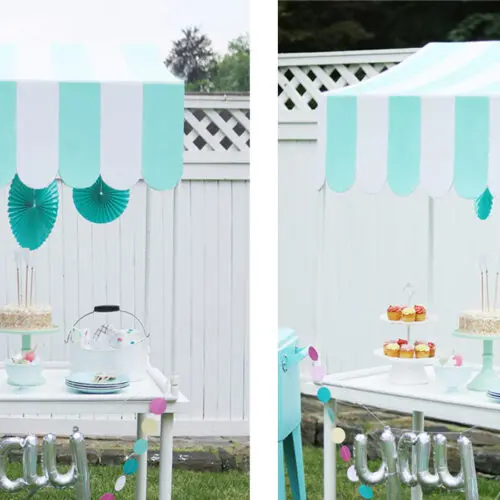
{"points": [[100, 203], [32, 213]]}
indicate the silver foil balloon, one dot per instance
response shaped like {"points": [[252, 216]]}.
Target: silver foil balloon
{"points": [[77, 476], [6, 446], [30, 460], [441, 460], [390, 452], [388, 470], [395, 468], [407, 475], [424, 476], [468, 468], [79, 454], [49, 465], [365, 475]]}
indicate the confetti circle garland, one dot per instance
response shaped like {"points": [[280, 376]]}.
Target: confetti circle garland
{"points": [[131, 465]]}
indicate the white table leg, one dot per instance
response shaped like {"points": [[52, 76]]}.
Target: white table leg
{"points": [[141, 485], [329, 451], [418, 426], [166, 456]]}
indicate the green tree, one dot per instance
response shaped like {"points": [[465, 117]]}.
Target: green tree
{"points": [[477, 27], [193, 59], [232, 73], [306, 26]]}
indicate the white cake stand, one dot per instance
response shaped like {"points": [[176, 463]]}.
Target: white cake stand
{"points": [[407, 371]]}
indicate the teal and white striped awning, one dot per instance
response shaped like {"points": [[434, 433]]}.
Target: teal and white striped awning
{"points": [[433, 120], [80, 111]]}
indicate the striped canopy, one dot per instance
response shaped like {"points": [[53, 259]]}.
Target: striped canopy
{"points": [[433, 120], [80, 111]]}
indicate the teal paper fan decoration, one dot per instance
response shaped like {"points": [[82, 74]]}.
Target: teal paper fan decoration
{"points": [[32, 213], [100, 203], [483, 205]]}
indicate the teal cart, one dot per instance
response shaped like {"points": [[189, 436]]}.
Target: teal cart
{"points": [[289, 415]]}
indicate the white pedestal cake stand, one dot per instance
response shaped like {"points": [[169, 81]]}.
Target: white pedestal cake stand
{"points": [[407, 371]]}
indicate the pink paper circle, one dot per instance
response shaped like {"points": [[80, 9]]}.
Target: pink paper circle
{"points": [[345, 453], [158, 406], [108, 496], [318, 373], [313, 353], [459, 360]]}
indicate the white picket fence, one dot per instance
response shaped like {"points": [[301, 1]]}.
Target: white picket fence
{"points": [[198, 280], [374, 245]]}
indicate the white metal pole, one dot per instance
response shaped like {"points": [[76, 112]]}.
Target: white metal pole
{"points": [[430, 255], [147, 261], [320, 281], [418, 427], [329, 451]]}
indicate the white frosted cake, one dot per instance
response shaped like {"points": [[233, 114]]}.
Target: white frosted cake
{"points": [[480, 323], [14, 317]]}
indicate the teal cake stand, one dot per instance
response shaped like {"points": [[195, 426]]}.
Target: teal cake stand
{"points": [[26, 335], [486, 378]]}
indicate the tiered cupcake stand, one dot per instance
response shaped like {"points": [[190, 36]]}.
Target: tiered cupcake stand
{"points": [[407, 371]]}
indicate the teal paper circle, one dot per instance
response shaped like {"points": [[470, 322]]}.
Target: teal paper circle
{"points": [[365, 491], [140, 446], [32, 213], [130, 466], [324, 394], [100, 203]]}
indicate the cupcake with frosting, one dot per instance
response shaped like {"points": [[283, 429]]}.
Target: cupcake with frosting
{"points": [[420, 313], [408, 314], [394, 313], [432, 348], [406, 351], [422, 351], [392, 349]]}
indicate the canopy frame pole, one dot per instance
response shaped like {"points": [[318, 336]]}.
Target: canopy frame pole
{"points": [[430, 253], [147, 261], [320, 280]]}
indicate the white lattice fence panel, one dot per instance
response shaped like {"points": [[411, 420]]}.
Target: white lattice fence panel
{"points": [[217, 124], [302, 77]]}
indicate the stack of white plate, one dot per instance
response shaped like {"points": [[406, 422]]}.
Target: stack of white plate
{"points": [[494, 394], [85, 383]]}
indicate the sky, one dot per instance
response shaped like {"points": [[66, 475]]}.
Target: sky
{"points": [[100, 21]]}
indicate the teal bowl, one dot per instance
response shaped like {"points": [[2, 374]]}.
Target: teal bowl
{"points": [[28, 375]]}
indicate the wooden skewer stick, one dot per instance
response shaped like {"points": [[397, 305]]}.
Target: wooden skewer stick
{"points": [[487, 293], [31, 290], [496, 292], [482, 291], [26, 300], [18, 289]]}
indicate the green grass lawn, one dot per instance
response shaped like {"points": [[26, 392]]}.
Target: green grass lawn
{"points": [[186, 485], [313, 457]]}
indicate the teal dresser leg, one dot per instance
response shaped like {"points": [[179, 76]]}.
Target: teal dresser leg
{"points": [[281, 472], [295, 464]]}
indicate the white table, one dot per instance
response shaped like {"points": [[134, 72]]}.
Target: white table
{"points": [[370, 388], [53, 397]]}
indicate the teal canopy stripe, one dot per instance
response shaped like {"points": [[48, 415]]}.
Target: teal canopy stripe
{"points": [[85, 91], [438, 120]]}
